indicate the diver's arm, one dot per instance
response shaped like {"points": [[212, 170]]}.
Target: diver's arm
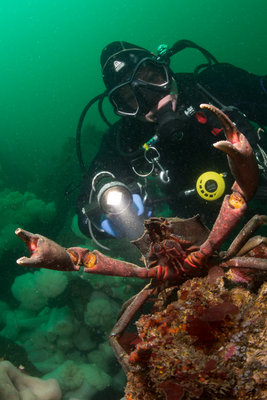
{"points": [[109, 168]]}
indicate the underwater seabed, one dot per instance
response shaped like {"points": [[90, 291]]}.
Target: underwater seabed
{"points": [[209, 344], [60, 328]]}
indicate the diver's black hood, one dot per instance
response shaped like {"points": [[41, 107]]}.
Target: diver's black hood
{"points": [[118, 60]]}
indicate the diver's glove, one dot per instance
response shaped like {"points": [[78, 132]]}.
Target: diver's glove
{"points": [[130, 224]]}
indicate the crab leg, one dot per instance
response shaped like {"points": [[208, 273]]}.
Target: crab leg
{"points": [[244, 168], [241, 240], [124, 321], [246, 262], [241, 158], [45, 253]]}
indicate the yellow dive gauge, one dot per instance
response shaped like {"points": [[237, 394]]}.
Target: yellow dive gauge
{"points": [[210, 185]]}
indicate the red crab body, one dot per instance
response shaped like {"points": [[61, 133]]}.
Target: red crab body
{"points": [[165, 245]]}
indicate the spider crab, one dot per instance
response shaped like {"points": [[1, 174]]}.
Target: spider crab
{"points": [[174, 249]]}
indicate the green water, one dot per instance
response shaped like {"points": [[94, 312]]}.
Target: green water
{"points": [[50, 56], [49, 70]]}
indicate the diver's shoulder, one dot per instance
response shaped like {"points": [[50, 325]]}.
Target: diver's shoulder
{"points": [[218, 68], [221, 69]]}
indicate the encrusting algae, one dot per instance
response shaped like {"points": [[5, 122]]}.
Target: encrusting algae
{"points": [[209, 344]]}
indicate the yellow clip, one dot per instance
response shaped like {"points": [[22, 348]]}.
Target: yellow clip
{"points": [[145, 146]]}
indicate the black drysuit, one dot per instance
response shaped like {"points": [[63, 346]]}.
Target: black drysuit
{"points": [[189, 152]]}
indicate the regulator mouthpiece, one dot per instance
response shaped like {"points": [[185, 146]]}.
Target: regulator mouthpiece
{"points": [[168, 121]]}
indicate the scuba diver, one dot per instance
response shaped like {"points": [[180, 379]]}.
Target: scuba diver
{"points": [[160, 153]]}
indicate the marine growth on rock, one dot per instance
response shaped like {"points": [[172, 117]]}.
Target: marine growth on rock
{"points": [[209, 344]]}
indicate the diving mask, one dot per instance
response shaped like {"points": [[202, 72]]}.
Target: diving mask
{"points": [[148, 84]]}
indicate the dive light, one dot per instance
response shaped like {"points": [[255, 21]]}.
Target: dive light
{"points": [[112, 208], [111, 196], [114, 198]]}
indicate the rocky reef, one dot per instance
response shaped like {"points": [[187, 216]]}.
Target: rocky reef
{"points": [[207, 344]]}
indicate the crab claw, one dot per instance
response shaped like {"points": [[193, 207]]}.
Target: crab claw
{"points": [[44, 253], [241, 158]]}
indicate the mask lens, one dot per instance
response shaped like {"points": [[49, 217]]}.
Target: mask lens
{"points": [[123, 98], [142, 90], [151, 72]]}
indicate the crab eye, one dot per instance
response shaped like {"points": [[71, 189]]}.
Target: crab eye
{"points": [[157, 248], [169, 244]]}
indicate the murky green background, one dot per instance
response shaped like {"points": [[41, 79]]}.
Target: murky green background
{"points": [[50, 53]]}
